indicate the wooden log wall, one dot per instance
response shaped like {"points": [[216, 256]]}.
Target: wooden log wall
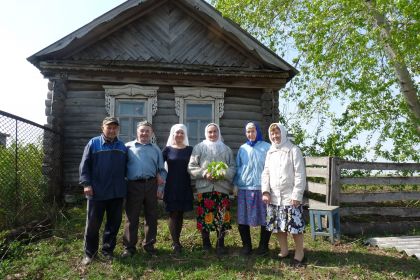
{"points": [[83, 115], [240, 106], [84, 110]]}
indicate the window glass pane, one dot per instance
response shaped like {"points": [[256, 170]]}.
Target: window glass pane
{"points": [[130, 108], [135, 121], [198, 111], [124, 126], [197, 116], [192, 132]]}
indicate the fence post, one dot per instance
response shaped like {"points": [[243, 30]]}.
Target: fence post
{"points": [[335, 188]]}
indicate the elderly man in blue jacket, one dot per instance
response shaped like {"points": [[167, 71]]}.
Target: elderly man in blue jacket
{"points": [[102, 175]]}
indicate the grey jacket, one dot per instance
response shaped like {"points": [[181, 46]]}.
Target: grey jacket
{"points": [[197, 167]]}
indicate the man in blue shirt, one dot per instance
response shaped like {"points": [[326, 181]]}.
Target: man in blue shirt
{"points": [[102, 175], [145, 172]]}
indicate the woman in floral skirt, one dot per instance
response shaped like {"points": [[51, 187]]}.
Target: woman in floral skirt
{"points": [[283, 184], [213, 204]]}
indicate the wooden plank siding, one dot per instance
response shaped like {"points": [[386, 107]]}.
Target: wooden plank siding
{"points": [[379, 165], [381, 181], [403, 212], [378, 197]]}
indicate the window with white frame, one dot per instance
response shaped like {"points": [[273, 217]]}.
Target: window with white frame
{"points": [[198, 106], [130, 104]]}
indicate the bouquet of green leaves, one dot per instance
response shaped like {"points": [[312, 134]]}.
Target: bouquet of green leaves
{"points": [[217, 169]]}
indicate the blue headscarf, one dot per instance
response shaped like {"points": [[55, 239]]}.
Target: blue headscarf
{"points": [[259, 134]]}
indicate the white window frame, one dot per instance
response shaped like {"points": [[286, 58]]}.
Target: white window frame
{"points": [[133, 92], [199, 95], [148, 94]]}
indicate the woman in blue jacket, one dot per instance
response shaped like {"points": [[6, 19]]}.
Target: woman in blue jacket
{"points": [[251, 209]]}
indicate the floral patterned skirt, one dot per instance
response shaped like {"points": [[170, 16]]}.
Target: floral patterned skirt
{"points": [[285, 219], [213, 211]]}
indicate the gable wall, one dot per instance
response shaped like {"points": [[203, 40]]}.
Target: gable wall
{"points": [[167, 35]]}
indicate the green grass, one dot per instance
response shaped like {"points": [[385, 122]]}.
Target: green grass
{"points": [[59, 258]]}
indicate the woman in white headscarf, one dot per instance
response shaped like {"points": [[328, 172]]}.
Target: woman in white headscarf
{"points": [[283, 184], [213, 204], [178, 196]]}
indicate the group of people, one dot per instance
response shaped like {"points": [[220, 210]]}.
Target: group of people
{"points": [[269, 181]]}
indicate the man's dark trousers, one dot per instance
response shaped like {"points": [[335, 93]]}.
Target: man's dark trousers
{"points": [[95, 213], [140, 194]]}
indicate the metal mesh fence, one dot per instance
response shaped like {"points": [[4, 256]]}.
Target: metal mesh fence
{"points": [[25, 182]]}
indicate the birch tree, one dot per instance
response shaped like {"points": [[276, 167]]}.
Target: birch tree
{"points": [[359, 64]]}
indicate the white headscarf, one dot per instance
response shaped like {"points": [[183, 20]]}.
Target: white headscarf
{"points": [[283, 133], [174, 129], [218, 144]]}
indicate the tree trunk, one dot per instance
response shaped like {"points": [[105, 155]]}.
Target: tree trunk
{"points": [[406, 83]]}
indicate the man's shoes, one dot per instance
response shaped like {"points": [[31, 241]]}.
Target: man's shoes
{"points": [[87, 260], [127, 254], [262, 251], [150, 250]]}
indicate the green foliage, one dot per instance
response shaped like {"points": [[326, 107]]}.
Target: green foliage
{"points": [[23, 186], [347, 85], [217, 169]]}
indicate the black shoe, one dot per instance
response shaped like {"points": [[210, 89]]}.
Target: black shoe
{"points": [[222, 250], [150, 250], [246, 250], [206, 247], [177, 248]]}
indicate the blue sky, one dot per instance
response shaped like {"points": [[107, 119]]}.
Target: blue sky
{"points": [[26, 27]]}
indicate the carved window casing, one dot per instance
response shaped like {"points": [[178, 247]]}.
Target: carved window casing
{"points": [[144, 96], [185, 96]]}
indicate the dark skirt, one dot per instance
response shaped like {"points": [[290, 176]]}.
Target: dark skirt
{"points": [[213, 211], [179, 205], [285, 219]]}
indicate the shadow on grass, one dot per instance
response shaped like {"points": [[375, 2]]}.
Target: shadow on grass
{"points": [[196, 261]]}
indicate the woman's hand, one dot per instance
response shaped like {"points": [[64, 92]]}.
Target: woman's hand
{"points": [[208, 177], [266, 198]]}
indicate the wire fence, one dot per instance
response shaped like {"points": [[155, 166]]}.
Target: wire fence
{"points": [[25, 170]]}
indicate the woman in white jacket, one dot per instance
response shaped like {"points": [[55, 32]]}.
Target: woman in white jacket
{"points": [[283, 184]]}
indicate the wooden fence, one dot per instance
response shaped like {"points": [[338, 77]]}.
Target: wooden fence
{"points": [[327, 177]]}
